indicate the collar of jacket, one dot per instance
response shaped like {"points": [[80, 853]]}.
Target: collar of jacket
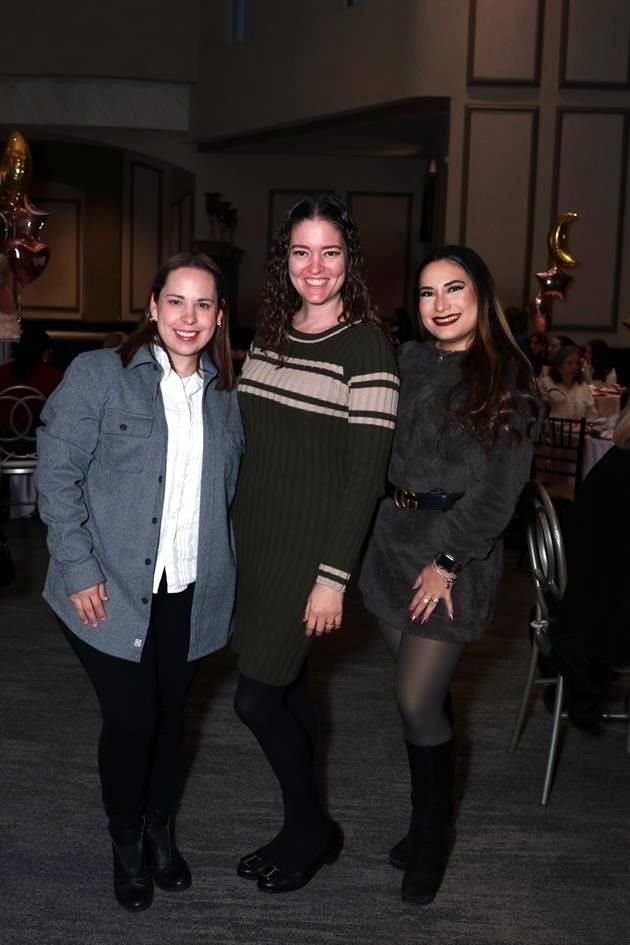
{"points": [[144, 355]]}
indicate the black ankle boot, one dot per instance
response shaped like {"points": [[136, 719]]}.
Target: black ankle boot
{"points": [[169, 868], [133, 884], [431, 832]]}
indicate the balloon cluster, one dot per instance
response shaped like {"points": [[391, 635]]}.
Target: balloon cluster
{"points": [[21, 222], [553, 281]]}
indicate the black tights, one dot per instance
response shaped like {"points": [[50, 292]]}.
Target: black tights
{"points": [[424, 669], [283, 720]]}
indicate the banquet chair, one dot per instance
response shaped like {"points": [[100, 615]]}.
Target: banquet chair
{"points": [[559, 457], [20, 407], [545, 548]]}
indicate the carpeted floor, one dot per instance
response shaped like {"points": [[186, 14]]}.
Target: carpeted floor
{"points": [[520, 874]]}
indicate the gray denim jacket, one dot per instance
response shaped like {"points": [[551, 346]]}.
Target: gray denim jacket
{"points": [[100, 479]]}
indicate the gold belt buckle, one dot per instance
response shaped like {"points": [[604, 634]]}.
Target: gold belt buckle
{"points": [[405, 501]]}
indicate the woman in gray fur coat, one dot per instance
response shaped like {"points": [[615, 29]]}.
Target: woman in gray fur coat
{"points": [[462, 454]]}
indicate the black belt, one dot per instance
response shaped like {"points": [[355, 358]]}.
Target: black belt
{"points": [[435, 501]]}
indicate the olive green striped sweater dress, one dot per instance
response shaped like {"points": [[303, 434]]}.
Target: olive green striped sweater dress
{"points": [[318, 432]]}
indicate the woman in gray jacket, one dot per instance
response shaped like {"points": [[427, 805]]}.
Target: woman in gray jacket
{"points": [[138, 459], [462, 453]]}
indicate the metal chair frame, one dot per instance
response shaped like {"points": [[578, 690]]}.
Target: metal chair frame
{"points": [[545, 547], [20, 405]]}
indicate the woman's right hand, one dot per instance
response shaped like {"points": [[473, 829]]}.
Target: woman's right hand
{"points": [[89, 604]]}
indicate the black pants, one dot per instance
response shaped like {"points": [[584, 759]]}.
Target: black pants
{"points": [[143, 711]]}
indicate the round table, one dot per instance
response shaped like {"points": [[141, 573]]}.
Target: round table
{"points": [[594, 448]]}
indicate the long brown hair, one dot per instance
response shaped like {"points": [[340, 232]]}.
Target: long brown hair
{"points": [[218, 348], [280, 300], [496, 375]]}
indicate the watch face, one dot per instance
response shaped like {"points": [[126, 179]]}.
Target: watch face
{"points": [[447, 562]]}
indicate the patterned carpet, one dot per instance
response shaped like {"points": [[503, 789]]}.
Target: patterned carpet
{"points": [[520, 874]]}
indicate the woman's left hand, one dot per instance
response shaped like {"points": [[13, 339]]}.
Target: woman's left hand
{"points": [[430, 588], [324, 610]]}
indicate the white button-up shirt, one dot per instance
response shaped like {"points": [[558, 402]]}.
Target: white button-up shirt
{"points": [[179, 529]]}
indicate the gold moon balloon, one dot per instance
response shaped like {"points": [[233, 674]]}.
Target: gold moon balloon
{"points": [[559, 241], [15, 171]]}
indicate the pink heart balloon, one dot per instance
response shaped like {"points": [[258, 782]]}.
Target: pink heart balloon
{"points": [[28, 259]]}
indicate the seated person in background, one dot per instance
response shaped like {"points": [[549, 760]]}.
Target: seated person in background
{"points": [[554, 343], [592, 631], [564, 389], [597, 365], [7, 305], [30, 366], [536, 351]]}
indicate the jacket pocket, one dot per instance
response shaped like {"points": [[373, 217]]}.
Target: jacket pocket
{"points": [[124, 440]]}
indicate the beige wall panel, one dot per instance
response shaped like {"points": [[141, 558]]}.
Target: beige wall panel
{"points": [[505, 41], [384, 221], [498, 190], [592, 167], [145, 249], [58, 289], [597, 38]]}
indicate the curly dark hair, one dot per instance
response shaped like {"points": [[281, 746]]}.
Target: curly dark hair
{"points": [[280, 301], [497, 380]]}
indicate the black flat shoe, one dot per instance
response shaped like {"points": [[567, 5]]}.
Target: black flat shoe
{"points": [[276, 879], [252, 865]]}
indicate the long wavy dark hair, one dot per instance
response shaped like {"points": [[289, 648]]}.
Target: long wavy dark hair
{"points": [[218, 348], [566, 352], [497, 379], [280, 301]]}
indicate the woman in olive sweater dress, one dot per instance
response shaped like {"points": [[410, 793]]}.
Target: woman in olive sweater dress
{"points": [[318, 394], [462, 453]]}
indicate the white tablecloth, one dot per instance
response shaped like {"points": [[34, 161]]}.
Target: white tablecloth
{"points": [[594, 449], [607, 404]]}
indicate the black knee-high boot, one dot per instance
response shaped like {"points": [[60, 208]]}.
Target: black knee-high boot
{"points": [[432, 770], [399, 853]]}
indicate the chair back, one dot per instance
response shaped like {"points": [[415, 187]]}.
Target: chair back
{"points": [[545, 548], [20, 407], [559, 456]]}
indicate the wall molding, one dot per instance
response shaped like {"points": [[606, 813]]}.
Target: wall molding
{"points": [[531, 193], [134, 168], [565, 83], [73, 306], [624, 115], [408, 197], [528, 81]]}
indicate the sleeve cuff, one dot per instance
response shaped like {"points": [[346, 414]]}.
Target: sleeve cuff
{"points": [[77, 577], [332, 577]]}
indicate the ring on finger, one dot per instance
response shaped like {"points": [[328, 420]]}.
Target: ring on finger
{"points": [[425, 600], [435, 600]]}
